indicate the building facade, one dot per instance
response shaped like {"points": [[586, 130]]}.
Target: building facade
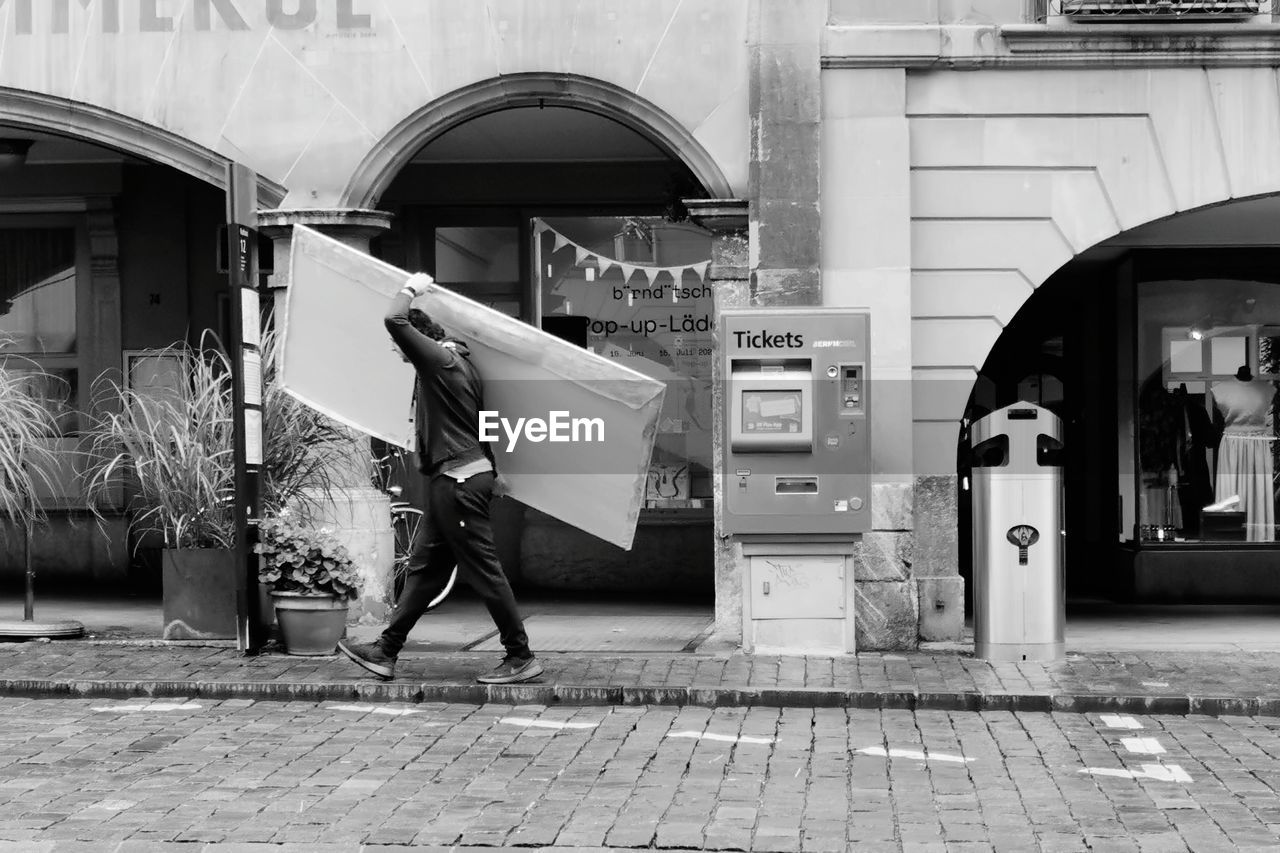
{"points": [[1065, 201]]}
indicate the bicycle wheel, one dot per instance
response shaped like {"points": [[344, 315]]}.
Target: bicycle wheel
{"points": [[404, 525]]}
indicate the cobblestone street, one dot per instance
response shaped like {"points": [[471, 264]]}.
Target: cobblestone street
{"points": [[240, 775]]}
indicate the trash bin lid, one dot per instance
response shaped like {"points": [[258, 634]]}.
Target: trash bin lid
{"points": [[1025, 438]]}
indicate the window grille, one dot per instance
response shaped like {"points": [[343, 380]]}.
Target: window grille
{"points": [[1098, 11]]}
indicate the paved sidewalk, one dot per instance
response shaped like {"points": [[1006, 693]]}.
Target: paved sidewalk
{"points": [[1242, 683]]}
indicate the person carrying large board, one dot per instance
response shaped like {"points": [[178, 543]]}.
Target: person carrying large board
{"points": [[456, 532]]}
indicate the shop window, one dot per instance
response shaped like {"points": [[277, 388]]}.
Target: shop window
{"points": [[634, 290], [482, 263], [1207, 442], [39, 300], [38, 290]]}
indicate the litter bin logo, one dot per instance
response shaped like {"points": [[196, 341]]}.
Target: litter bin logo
{"points": [[1024, 536]]}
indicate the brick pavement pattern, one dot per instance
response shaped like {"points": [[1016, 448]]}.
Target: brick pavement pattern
{"points": [[1240, 683], [239, 775]]}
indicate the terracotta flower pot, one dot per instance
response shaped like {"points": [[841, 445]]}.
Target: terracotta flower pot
{"points": [[310, 624]]}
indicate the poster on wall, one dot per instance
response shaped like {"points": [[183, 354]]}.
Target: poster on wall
{"points": [[571, 431]]}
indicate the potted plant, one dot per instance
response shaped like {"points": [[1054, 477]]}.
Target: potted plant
{"points": [[312, 580], [165, 454]]}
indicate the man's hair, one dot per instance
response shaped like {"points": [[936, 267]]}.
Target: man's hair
{"points": [[420, 321]]}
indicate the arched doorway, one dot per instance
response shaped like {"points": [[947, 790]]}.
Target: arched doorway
{"points": [[562, 210], [106, 252], [1137, 344]]}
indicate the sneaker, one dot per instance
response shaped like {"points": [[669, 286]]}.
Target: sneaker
{"points": [[512, 670], [371, 657]]}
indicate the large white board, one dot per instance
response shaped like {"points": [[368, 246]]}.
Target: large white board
{"points": [[338, 358]]}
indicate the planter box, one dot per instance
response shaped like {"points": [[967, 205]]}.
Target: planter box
{"points": [[199, 594]]}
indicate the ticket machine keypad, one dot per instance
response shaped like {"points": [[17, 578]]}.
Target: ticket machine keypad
{"points": [[851, 388]]}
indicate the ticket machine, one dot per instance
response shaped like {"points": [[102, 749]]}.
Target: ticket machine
{"points": [[797, 469]]}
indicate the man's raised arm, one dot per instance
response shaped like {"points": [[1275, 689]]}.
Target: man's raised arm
{"points": [[425, 354]]}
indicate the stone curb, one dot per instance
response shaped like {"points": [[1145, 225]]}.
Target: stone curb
{"points": [[710, 696]]}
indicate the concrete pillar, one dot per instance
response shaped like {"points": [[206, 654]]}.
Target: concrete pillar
{"points": [[360, 513], [786, 151], [908, 586], [727, 220]]}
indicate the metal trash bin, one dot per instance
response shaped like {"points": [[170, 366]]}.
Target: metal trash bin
{"points": [[1019, 605]]}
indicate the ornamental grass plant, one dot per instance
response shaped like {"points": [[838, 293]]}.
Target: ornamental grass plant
{"points": [[168, 450], [167, 455], [27, 428]]}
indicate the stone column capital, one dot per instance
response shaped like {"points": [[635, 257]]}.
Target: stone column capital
{"points": [[353, 226], [721, 216], [341, 223]]}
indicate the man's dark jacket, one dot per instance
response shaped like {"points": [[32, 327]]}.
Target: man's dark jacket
{"points": [[450, 395]]}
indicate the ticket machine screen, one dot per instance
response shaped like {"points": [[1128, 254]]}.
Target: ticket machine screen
{"points": [[772, 405], [771, 412]]}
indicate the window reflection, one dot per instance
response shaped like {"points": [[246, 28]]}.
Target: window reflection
{"points": [[38, 290], [634, 290], [55, 389]]}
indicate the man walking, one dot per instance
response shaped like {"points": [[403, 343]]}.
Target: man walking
{"points": [[455, 533]]}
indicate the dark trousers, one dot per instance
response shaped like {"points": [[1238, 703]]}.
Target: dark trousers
{"points": [[456, 531]]}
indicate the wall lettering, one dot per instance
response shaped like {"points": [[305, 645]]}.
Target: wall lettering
{"points": [[303, 16], [55, 17], [151, 21], [227, 12]]}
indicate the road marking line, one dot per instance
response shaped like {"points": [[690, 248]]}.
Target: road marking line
{"points": [[1166, 772], [912, 753], [153, 706], [1143, 745], [545, 724], [114, 805], [724, 738], [1158, 772], [375, 709], [1119, 721]]}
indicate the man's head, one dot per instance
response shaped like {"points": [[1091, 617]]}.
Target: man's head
{"points": [[420, 321]]}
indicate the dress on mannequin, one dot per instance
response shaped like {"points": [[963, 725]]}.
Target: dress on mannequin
{"points": [[1244, 456]]}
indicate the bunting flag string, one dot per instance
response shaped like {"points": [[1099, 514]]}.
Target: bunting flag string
{"points": [[604, 263]]}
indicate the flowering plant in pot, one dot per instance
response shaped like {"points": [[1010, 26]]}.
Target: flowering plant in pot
{"points": [[312, 580]]}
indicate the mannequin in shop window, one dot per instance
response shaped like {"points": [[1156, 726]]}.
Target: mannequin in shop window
{"points": [[1158, 443], [1196, 434], [1243, 405]]}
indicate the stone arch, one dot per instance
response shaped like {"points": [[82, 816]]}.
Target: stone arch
{"points": [[380, 167], [1068, 161], [89, 123]]}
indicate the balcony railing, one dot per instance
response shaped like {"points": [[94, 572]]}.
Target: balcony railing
{"points": [[1155, 11]]}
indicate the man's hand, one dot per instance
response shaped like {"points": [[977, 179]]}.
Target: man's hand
{"points": [[418, 284], [501, 488]]}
